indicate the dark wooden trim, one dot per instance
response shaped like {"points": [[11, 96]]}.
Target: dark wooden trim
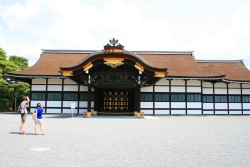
{"points": [[89, 98], [241, 94], [213, 99], [201, 85], [46, 94], [227, 100], [138, 98], [154, 99], [185, 96], [170, 101], [15, 105], [78, 101], [62, 95]]}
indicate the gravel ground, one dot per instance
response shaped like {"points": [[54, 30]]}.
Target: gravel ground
{"points": [[125, 141]]}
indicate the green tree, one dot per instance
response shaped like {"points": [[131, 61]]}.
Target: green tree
{"points": [[11, 90], [21, 62], [3, 61]]}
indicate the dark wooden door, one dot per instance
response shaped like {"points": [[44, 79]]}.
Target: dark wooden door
{"points": [[115, 101]]}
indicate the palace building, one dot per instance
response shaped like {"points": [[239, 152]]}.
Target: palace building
{"points": [[117, 81]]}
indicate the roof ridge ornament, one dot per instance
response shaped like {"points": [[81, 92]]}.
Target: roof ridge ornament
{"points": [[113, 46], [113, 42]]}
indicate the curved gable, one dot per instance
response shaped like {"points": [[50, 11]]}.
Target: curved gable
{"points": [[114, 56]]}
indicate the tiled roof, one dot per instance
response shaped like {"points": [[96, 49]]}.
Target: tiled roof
{"points": [[234, 70], [179, 64], [49, 63]]}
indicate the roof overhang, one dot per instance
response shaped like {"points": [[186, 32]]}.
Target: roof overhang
{"points": [[114, 58], [32, 76]]}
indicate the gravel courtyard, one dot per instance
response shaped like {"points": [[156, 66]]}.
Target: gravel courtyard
{"points": [[126, 141]]}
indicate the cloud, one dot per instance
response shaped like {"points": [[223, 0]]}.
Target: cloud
{"points": [[231, 42], [213, 33]]}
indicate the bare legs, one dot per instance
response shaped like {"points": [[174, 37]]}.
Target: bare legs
{"points": [[35, 128], [22, 124], [41, 126]]}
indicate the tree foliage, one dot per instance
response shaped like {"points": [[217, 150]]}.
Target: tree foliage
{"points": [[20, 62], [11, 91]]}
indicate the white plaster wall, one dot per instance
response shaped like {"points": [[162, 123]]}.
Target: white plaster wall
{"points": [[147, 112], [246, 106], [177, 89], [207, 90], [246, 112], [173, 112], [161, 104], [162, 112], [220, 85], [81, 111], [220, 105], [220, 91], [208, 112], [68, 81], [235, 112], [54, 87], [194, 112], [83, 88], [161, 88], [32, 109], [85, 104], [245, 91], [146, 104], [68, 103], [207, 84], [162, 82], [208, 105], [69, 111], [54, 104], [70, 88], [221, 112], [178, 105], [38, 87], [193, 104], [234, 91], [178, 82], [194, 89], [55, 81], [193, 83], [38, 81], [246, 86], [54, 111], [33, 103], [234, 105], [233, 85], [147, 89]]}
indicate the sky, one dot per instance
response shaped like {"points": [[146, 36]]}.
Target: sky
{"points": [[213, 29]]}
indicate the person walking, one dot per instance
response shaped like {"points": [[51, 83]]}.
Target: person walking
{"points": [[38, 118], [23, 109]]}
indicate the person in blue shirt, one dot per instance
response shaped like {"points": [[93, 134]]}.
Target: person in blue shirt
{"points": [[39, 118]]}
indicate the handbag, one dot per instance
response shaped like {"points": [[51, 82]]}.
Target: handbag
{"points": [[19, 109]]}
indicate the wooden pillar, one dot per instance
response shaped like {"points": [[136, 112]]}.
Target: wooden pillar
{"points": [[138, 98], [89, 98], [46, 95]]}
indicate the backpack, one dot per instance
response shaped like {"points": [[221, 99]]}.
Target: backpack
{"points": [[19, 109]]}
